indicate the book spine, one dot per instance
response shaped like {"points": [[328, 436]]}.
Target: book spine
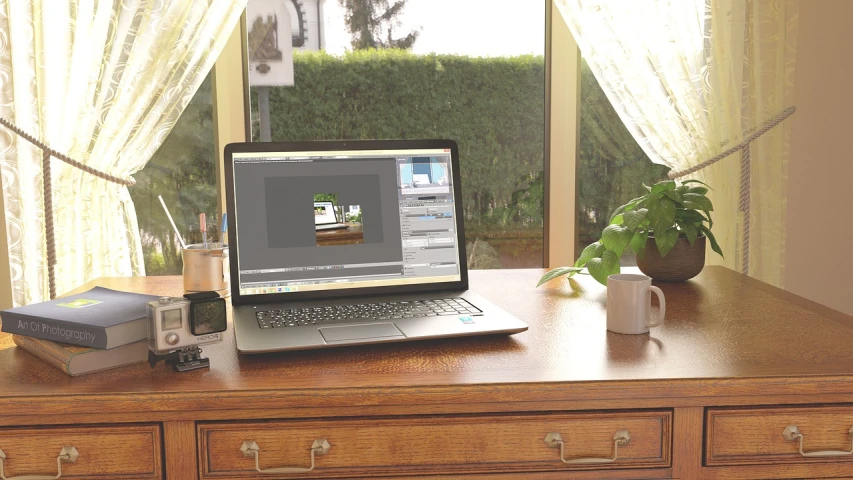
{"points": [[47, 351], [62, 332]]}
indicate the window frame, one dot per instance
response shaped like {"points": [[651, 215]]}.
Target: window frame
{"points": [[562, 140]]}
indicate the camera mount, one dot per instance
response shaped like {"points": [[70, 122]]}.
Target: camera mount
{"points": [[182, 360]]}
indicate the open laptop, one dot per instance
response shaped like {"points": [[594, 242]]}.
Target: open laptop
{"points": [[325, 217], [400, 276]]}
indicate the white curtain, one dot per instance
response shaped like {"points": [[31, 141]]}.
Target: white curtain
{"points": [[690, 78], [103, 82]]}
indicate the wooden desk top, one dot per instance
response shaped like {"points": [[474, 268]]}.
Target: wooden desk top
{"points": [[353, 234], [725, 334]]}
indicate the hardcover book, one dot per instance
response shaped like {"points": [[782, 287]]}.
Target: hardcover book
{"points": [[98, 318], [75, 360]]}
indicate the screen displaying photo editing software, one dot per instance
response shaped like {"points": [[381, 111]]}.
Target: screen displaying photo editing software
{"points": [[395, 208]]}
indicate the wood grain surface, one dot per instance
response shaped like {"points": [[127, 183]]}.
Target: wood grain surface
{"points": [[437, 445], [725, 335], [105, 452], [181, 458], [754, 436], [351, 235], [735, 359]]}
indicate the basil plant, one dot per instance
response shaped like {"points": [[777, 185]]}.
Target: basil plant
{"points": [[668, 211]]}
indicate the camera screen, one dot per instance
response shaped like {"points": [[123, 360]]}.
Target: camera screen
{"points": [[208, 317], [170, 319]]}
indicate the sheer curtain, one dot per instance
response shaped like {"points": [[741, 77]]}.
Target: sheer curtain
{"points": [[691, 78], [103, 82]]}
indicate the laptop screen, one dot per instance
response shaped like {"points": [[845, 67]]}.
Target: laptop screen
{"points": [[324, 213], [398, 207]]}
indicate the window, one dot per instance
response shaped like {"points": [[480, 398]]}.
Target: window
{"points": [[168, 170], [612, 167], [368, 97], [487, 94], [183, 171]]}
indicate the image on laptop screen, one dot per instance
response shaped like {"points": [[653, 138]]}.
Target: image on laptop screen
{"points": [[324, 213], [396, 208]]}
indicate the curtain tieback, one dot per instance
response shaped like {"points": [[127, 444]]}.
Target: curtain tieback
{"points": [[47, 188], [745, 171]]}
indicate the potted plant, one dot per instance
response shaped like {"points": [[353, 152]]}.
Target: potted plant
{"points": [[666, 228]]}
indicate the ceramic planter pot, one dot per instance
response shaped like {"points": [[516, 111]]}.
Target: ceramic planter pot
{"points": [[683, 262]]}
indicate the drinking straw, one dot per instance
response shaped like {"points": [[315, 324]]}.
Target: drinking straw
{"points": [[181, 240]]}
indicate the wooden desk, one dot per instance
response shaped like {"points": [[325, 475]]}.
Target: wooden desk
{"points": [[707, 395], [353, 234]]}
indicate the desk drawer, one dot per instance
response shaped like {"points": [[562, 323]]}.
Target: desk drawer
{"points": [[434, 445], [770, 435], [113, 452]]}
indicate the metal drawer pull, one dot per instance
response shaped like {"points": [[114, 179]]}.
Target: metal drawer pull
{"points": [[250, 448], [621, 438], [67, 454], [792, 433]]}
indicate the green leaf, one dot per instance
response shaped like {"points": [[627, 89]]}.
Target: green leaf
{"points": [[687, 182], [632, 219], [592, 250], [697, 201], [662, 214], [652, 201], [617, 213], [666, 241], [616, 238], [690, 230], [690, 216], [699, 190], [634, 202], [627, 207], [714, 245], [638, 242], [618, 219], [674, 195], [557, 272], [665, 186], [601, 268]]}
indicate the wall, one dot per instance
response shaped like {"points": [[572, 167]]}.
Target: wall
{"points": [[819, 256]]}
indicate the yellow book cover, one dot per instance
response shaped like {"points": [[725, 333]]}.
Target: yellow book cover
{"points": [[75, 360]]}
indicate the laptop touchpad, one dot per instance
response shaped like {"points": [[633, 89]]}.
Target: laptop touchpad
{"points": [[360, 332]]}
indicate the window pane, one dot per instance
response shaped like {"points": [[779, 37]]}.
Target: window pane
{"points": [[183, 171], [612, 166], [480, 82]]}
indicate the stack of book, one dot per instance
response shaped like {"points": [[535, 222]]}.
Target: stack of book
{"points": [[88, 332]]}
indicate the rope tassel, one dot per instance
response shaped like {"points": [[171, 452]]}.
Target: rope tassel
{"points": [[745, 172], [47, 187]]}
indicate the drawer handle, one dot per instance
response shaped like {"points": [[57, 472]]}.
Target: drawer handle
{"points": [[621, 438], [792, 433], [67, 454], [250, 448]]}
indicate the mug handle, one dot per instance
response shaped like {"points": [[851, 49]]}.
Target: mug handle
{"points": [[662, 302]]}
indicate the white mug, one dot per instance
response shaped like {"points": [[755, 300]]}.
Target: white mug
{"points": [[629, 303]]}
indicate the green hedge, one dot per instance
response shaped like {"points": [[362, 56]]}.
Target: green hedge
{"points": [[493, 107]]}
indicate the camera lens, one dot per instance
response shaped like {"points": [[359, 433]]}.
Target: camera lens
{"points": [[208, 316]]}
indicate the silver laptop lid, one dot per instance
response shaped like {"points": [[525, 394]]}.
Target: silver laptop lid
{"points": [[400, 199]]}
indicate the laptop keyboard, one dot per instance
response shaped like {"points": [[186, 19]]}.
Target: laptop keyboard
{"points": [[297, 317]]}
